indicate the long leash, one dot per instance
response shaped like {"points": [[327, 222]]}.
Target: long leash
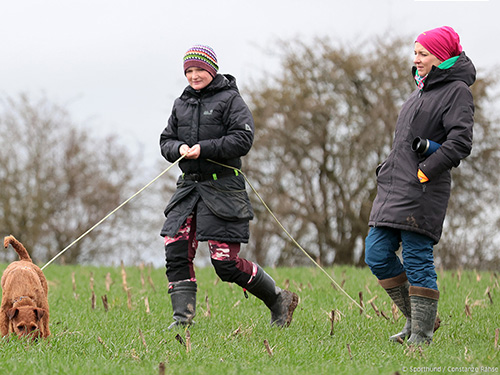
{"points": [[112, 212], [288, 234], [253, 189]]}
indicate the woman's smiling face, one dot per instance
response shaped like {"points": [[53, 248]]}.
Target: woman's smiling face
{"points": [[198, 78]]}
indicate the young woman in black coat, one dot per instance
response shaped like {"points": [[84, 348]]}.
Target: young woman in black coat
{"points": [[211, 122]]}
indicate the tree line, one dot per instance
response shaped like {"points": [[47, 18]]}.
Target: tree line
{"points": [[58, 180], [322, 126]]}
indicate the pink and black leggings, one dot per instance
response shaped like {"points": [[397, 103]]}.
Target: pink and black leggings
{"points": [[180, 251]]}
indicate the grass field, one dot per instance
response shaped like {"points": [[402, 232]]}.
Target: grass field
{"points": [[130, 336]]}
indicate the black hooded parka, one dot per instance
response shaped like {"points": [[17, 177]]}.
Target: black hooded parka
{"points": [[218, 119], [444, 113]]}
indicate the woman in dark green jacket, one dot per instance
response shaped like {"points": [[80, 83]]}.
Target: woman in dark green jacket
{"points": [[211, 122], [414, 183]]}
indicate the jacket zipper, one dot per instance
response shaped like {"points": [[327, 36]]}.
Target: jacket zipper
{"points": [[198, 131]]}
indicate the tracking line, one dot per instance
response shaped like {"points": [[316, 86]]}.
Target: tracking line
{"points": [[288, 234], [112, 212]]}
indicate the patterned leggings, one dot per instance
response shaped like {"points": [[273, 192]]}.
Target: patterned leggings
{"points": [[180, 252]]}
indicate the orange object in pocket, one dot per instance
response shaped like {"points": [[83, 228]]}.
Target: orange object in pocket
{"points": [[422, 177]]}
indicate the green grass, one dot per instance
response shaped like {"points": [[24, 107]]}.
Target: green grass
{"points": [[231, 339]]}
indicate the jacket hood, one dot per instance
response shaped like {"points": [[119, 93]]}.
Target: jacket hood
{"points": [[463, 70]]}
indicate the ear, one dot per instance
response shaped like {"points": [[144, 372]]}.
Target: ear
{"points": [[12, 312], [39, 313]]}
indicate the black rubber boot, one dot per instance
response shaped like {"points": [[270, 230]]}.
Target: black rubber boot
{"points": [[424, 302], [282, 303], [183, 296], [398, 288]]}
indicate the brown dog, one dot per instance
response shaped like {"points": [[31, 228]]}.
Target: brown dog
{"points": [[25, 307]]}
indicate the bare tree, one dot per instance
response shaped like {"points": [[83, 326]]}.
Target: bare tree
{"points": [[323, 125], [57, 181]]}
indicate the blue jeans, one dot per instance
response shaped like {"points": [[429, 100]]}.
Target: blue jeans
{"points": [[381, 245]]}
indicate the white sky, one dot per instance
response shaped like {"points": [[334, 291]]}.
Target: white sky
{"points": [[117, 64]]}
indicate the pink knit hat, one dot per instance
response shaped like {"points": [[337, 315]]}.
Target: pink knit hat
{"points": [[442, 42]]}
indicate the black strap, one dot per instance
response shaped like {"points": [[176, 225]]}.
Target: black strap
{"points": [[208, 176]]}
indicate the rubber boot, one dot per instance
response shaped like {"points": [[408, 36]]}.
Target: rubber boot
{"points": [[424, 302], [398, 289], [183, 296], [282, 303]]}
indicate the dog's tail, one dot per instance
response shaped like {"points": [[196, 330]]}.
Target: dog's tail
{"points": [[18, 246]]}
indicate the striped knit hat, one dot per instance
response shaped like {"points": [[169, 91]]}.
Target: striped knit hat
{"points": [[203, 57]]}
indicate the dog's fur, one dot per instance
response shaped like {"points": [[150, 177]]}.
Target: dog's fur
{"points": [[25, 307]]}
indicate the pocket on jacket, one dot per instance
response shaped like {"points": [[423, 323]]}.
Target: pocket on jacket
{"points": [[227, 198], [415, 189], [184, 188]]}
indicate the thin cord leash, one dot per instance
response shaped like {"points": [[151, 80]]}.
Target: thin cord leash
{"points": [[288, 234], [253, 189], [112, 212]]}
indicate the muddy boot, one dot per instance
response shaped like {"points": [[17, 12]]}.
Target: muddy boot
{"points": [[424, 302], [398, 289], [282, 303], [183, 296]]}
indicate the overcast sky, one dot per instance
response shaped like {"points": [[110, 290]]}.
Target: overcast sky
{"points": [[117, 64]]}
